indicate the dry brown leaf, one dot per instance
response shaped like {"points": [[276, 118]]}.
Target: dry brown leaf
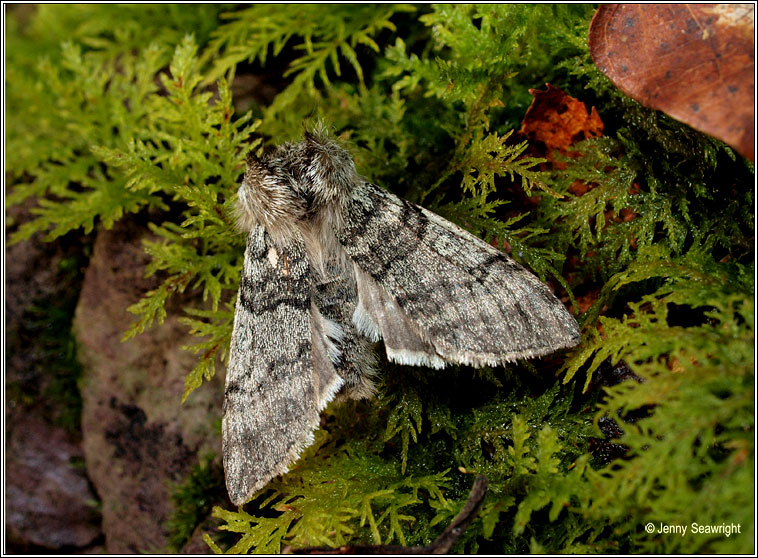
{"points": [[558, 120], [694, 62]]}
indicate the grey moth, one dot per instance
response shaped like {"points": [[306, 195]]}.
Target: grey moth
{"points": [[333, 264]]}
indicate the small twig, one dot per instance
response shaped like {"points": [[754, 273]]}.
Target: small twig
{"points": [[441, 544], [446, 540]]}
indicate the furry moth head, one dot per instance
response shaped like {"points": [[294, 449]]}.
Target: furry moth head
{"points": [[334, 263], [294, 183]]}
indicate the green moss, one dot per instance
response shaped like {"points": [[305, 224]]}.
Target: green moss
{"points": [[193, 499], [427, 98]]}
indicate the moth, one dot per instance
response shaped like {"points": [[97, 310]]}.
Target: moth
{"points": [[332, 265]]}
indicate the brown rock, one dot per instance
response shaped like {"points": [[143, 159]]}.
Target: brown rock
{"points": [[138, 437], [49, 504], [48, 501], [196, 544]]}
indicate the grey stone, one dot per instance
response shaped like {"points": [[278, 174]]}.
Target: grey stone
{"points": [[138, 438]]}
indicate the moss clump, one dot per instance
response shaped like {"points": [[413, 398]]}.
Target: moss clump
{"points": [[193, 499]]}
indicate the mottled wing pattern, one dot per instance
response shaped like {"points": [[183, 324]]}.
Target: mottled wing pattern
{"points": [[437, 293], [280, 371]]}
